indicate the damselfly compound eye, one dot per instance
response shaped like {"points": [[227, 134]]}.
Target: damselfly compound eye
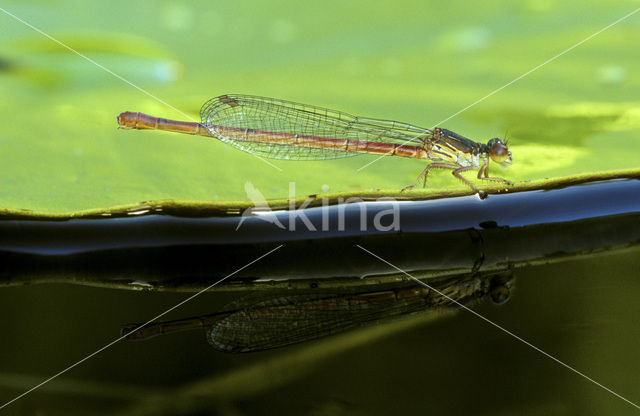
{"points": [[499, 151], [500, 294]]}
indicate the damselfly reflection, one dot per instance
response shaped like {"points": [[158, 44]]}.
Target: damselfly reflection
{"points": [[260, 324]]}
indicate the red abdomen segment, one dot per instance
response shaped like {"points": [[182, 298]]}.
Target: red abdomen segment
{"points": [[140, 121]]}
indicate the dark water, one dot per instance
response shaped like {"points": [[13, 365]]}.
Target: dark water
{"points": [[436, 237], [574, 297], [582, 312]]}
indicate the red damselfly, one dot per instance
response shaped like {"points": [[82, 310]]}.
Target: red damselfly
{"points": [[280, 129]]}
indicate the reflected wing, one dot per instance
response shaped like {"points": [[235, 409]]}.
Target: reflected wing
{"points": [[284, 321]]}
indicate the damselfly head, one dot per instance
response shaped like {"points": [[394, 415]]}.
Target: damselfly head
{"points": [[499, 151], [500, 287]]}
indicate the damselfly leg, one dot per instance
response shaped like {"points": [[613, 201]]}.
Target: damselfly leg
{"points": [[456, 172], [485, 168]]}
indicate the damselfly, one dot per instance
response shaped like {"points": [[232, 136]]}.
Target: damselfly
{"points": [[279, 129], [273, 321]]}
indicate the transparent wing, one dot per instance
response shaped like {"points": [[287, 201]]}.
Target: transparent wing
{"points": [[248, 113], [289, 320]]}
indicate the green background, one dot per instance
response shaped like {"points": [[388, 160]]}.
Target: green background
{"points": [[416, 62]]}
